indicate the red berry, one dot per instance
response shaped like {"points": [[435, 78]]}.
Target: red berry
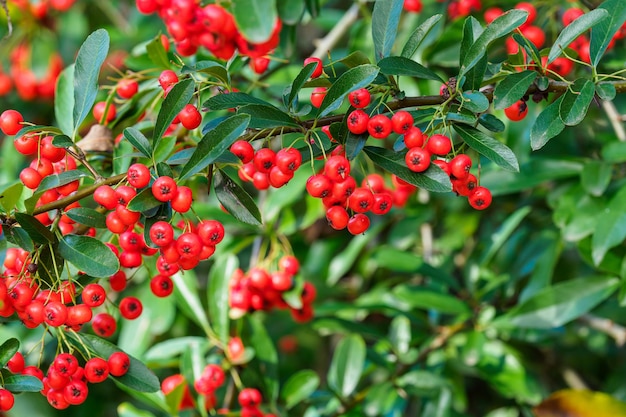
{"points": [[337, 168], [264, 160], [249, 398], [319, 186], [161, 285], [480, 198], [319, 66], [130, 308], [439, 145], [106, 196], [337, 217], [26, 144], [190, 117], [10, 122], [358, 121], [358, 224], [96, 370], [379, 126], [532, 12], [167, 79], [517, 111], [164, 188], [138, 175], [361, 200], [401, 122], [94, 295], [413, 138], [211, 232], [182, 200], [104, 325], [317, 96], [359, 99], [243, 150], [119, 363], [460, 166], [99, 109], [127, 88], [417, 159], [6, 400]]}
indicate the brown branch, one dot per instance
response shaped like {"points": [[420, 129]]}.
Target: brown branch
{"points": [[3, 3], [78, 195]]}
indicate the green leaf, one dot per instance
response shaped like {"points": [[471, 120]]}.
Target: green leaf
{"points": [[19, 237], [126, 409], [504, 232], [290, 11], [400, 334], [475, 101], [603, 31], [489, 147], [214, 144], [87, 216], [157, 53], [89, 255], [491, 122], [421, 382], [138, 377], [138, 140], [255, 19], [512, 88], [298, 83], [397, 65], [186, 293], [208, 67], [596, 177], [355, 59], [385, 18], [576, 101], [56, 180], [351, 80], [500, 27], [419, 298], [10, 195], [20, 383], [614, 152], [347, 365], [299, 387], [547, 125], [218, 295], [610, 228], [37, 231], [90, 58], [606, 91], [433, 179], [472, 29], [64, 101], [176, 100], [236, 200], [560, 304], [229, 100], [143, 201], [266, 356], [62, 141], [170, 348], [418, 36], [7, 350], [574, 30], [382, 400], [267, 117]]}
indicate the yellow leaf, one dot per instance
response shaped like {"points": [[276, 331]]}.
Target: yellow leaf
{"points": [[580, 403]]}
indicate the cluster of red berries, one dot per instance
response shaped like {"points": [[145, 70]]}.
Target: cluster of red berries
{"points": [[211, 26], [66, 382], [259, 289], [189, 116], [462, 8], [250, 400], [264, 167], [413, 6], [210, 380]]}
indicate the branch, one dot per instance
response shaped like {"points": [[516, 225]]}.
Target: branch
{"points": [[3, 3], [343, 25]]}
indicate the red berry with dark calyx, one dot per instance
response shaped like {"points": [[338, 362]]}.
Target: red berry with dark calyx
{"points": [[164, 188], [337, 217], [358, 121], [379, 126], [401, 122], [517, 111], [480, 198], [243, 150], [138, 175], [359, 99], [460, 166], [413, 138], [319, 186], [417, 159], [119, 363]]}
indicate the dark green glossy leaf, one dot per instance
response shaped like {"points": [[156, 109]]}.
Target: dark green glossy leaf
{"points": [[501, 26], [606, 91], [266, 356], [236, 200], [385, 19], [208, 67], [475, 101], [7, 350], [214, 144], [512, 88], [298, 83], [157, 53], [165, 148], [527, 45], [489, 147], [299, 387], [64, 101], [255, 18], [290, 11], [547, 125], [574, 30], [355, 59], [433, 179], [472, 80], [138, 377], [138, 140], [347, 365], [576, 101], [90, 58], [218, 295], [610, 229], [267, 117], [468, 119], [20, 383], [143, 201], [602, 32], [56, 180], [89, 255], [563, 302], [38, 129], [420, 298], [397, 65], [176, 99], [353, 79], [87, 216], [418, 36], [62, 141], [229, 100], [19, 237], [37, 231], [491, 122]]}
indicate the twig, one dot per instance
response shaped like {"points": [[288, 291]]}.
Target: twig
{"points": [[3, 3], [609, 327], [615, 118], [573, 380], [343, 25]]}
